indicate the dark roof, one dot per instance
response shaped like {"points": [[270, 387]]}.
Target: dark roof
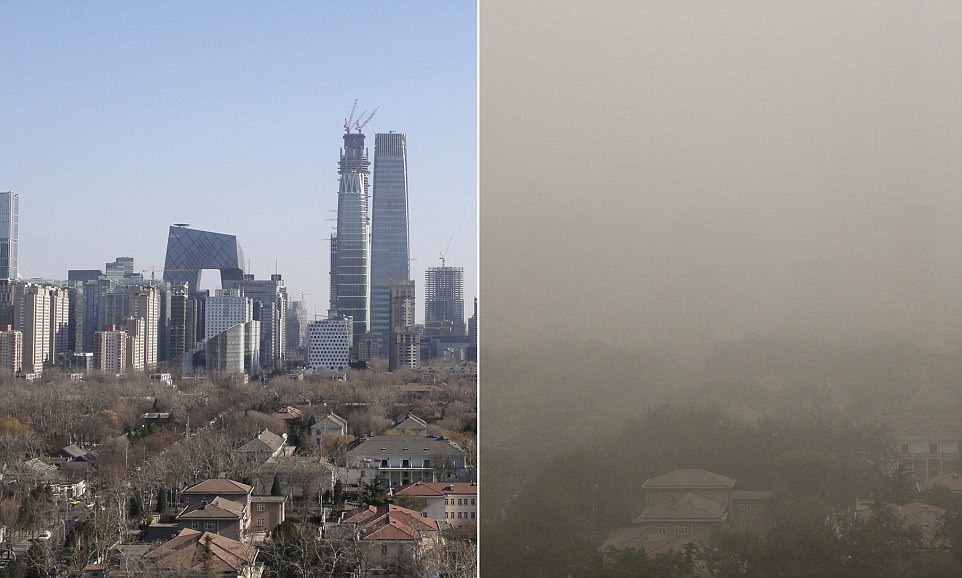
{"points": [[265, 441], [218, 508], [404, 445], [218, 486], [689, 479]]}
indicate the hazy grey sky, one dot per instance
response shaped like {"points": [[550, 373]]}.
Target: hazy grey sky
{"points": [[711, 169]]}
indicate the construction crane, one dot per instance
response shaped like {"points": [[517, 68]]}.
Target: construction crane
{"points": [[350, 117], [445, 253], [360, 123]]}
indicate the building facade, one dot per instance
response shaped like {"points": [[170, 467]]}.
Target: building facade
{"points": [[404, 340], [444, 301], [329, 344], [32, 311], [9, 234], [272, 295], [390, 253], [110, 350], [349, 247], [11, 350], [226, 309]]}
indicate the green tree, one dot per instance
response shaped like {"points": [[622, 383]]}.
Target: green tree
{"points": [[162, 504], [374, 493]]}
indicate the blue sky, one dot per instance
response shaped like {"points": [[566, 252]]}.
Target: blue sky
{"points": [[122, 118]]}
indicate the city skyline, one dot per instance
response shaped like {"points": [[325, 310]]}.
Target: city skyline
{"points": [[230, 120]]}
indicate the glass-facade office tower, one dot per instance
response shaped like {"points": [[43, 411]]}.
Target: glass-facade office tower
{"points": [[9, 234], [349, 247], [389, 227]]}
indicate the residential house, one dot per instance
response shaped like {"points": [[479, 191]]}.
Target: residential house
{"points": [[196, 554], [404, 459], [411, 424], [205, 507], [219, 516], [262, 447], [391, 535], [927, 444], [267, 512], [329, 425], [454, 503], [691, 505]]}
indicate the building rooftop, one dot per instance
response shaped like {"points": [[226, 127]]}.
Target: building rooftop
{"points": [[218, 508], [688, 506], [689, 479], [193, 551], [438, 489], [389, 522], [218, 486]]}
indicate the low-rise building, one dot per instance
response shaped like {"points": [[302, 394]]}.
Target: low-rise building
{"points": [[454, 503], [404, 459]]}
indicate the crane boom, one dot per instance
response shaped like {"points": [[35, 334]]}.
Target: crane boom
{"points": [[350, 117], [360, 123]]}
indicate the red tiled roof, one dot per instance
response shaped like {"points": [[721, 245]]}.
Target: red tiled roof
{"points": [[390, 522], [192, 551], [289, 413], [218, 486], [689, 479], [437, 489]]}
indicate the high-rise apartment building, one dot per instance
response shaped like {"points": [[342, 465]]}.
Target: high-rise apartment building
{"points": [[444, 301], [144, 303], [11, 349], [32, 312], [404, 339], [349, 247], [9, 234], [110, 350], [390, 254], [59, 323]]}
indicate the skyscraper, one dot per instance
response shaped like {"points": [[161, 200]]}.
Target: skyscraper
{"points": [[349, 247], [389, 227], [444, 301], [9, 234]]}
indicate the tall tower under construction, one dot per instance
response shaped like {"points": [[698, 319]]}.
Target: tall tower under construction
{"points": [[444, 301], [349, 245], [389, 227]]}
